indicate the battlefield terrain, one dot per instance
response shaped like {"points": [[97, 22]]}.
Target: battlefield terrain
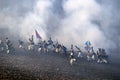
{"points": [[33, 65]]}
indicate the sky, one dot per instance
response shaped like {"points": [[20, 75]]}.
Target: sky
{"points": [[67, 21]]}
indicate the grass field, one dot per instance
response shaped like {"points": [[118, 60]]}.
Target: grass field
{"points": [[25, 65]]}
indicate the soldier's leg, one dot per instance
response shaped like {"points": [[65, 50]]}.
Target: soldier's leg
{"points": [[88, 57], [93, 57], [8, 51]]}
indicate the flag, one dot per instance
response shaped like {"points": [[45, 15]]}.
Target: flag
{"points": [[38, 35], [88, 43]]}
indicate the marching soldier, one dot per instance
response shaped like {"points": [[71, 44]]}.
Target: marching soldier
{"points": [[7, 45], [79, 52], [20, 44], [102, 56], [45, 46], [72, 58], [31, 45], [1, 46]]}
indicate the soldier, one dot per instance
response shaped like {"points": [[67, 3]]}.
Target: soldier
{"points": [[7, 45], [40, 46], [102, 56], [72, 58], [31, 45], [64, 50], [20, 43], [45, 45], [79, 52], [56, 47], [93, 54], [88, 49], [1, 46], [50, 42]]}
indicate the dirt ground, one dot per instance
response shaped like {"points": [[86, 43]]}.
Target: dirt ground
{"points": [[25, 65]]}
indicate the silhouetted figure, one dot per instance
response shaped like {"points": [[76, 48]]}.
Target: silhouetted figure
{"points": [[50, 42], [8, 45], [1, 46], [20, 44], [93, 54], [102, 56], [45, 45], [79, 52], [31, 43], [72, 58], [64, 50]]}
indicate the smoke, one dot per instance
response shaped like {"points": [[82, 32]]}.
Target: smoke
{"points": [[109, 22], [89, 20], [37, 19], [11, 15], [68, 21], [77, 23]]}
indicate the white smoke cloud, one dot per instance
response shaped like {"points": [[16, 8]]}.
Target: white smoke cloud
{"points": [[79, 21], [36, 19], [77, 26]]}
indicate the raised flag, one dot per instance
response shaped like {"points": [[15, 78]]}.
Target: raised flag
{"points": [[88, 45], [38, 35]]}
